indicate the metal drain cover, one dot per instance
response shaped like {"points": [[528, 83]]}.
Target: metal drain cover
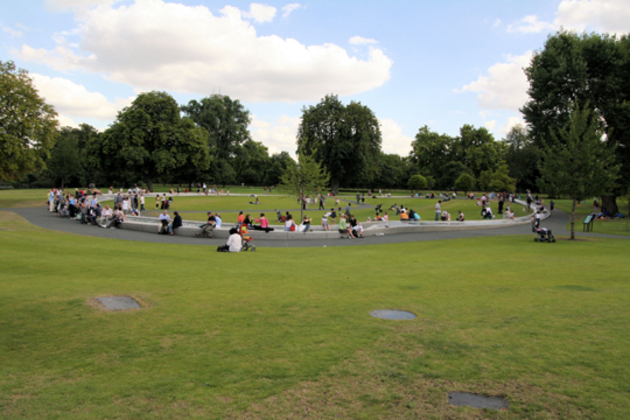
{"points": [[461, 399], [115, 303], [392, 314]]}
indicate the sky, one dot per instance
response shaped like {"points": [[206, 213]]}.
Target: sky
{"points": [[413, 63]]}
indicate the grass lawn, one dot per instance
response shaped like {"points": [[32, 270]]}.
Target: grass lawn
{"points": [[285, 333], [426, 208], [23, 198], [613, 227]]}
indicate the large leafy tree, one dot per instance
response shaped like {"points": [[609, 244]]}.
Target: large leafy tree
{"points": [[522, 158], [575, 160], [431, 152], [278, 163], [251, 163], [345, 140], [226, 121], [589, 69], [149, 139], [477, 149], [64, 163], [28, 126]]}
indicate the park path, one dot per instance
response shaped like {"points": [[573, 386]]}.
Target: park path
{"points": [[41, 217]]}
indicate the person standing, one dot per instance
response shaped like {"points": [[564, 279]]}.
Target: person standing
{"points": [[142, 203], [438, 210], [321, 202]]}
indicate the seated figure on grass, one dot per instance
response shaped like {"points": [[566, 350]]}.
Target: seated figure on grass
{"points": [[233, 244]]}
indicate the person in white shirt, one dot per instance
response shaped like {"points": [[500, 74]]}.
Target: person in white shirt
{"points": [[164, 221], [233, 244], [217, 221]]}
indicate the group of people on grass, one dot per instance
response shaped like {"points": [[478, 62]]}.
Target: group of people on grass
{"points": [[79, 206]]}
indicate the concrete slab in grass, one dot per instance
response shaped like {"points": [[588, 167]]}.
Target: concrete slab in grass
{"points": [[119, 303], [461, 399]]}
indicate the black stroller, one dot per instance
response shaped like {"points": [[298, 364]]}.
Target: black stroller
{"points": [[542, 234]]}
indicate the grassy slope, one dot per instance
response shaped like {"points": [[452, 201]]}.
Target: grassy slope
{"points": [[286, 333]]}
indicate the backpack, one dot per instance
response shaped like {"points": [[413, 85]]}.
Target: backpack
{"points": [[293, 227]]}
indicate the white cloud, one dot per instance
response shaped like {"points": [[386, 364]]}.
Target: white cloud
{"points": [[13, 32], [154, 45], [612, 16], [490, 124], [394, 141], [359, 40], [289, 8], [530, 24], [260, 12], [511, 122], [70, 99], [280, 136], [505, 86], [65, 121]]}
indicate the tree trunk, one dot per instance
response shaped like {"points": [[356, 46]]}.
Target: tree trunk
{"points": [[573, 220], [610, 203], [150, 185], [334, 185]]}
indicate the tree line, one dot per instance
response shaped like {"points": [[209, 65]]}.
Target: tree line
{"points": [[575, 77]]}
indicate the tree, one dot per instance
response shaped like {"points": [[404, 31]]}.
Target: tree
{"points": [[576, 162], [432, 152], [465, 182], [226, 122], [344, 140], [590, 69], [251, 163], [65, 161], [277, 165], [522, 158], [304, 177], [149, 139], [28, 126], [417, 182], [501, 180], [477, 150]]}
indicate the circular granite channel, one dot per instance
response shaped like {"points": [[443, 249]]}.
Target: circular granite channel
{"points": [[394, 314]]}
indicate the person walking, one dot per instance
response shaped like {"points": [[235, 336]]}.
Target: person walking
{"points": [[438, 210]]}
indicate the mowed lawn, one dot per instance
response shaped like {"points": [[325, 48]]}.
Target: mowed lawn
{"points": [[286, 333], [229, 207], [609, 226]]}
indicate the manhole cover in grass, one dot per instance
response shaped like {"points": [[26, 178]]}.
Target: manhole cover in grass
{"points": [[115, 303], [461, 399], [392, 314]]}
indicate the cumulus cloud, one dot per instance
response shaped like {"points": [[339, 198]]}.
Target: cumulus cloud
{"points": [[394, 141], [260, 12], [154, 45], [505, 86], [65, 121], [290, 8], [359, 40], [280, 136], [530, 24], [71, 99], [612, 16], [510, 123]]}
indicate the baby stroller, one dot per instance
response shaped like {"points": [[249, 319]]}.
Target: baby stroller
{"points": [[246, 238], [542, 234]]}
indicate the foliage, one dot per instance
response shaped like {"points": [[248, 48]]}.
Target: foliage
{"points": [[576, 162], [65, 161], [589, 69], [345, 140], [465, 182], [304, 178], [27, 124], [251, 163], [501, 180], [417, 182], [522, 158], [277, 166], [149, 139]]}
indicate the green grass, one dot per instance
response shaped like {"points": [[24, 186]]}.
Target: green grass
{"points": [[285, 333], [426, 208], [609, 226], [23, 198]]}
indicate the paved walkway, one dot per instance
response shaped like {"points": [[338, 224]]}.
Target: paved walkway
{"points": [[41, 217]]}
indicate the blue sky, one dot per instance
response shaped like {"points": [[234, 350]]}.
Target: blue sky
{"points": [[414, 63]]}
